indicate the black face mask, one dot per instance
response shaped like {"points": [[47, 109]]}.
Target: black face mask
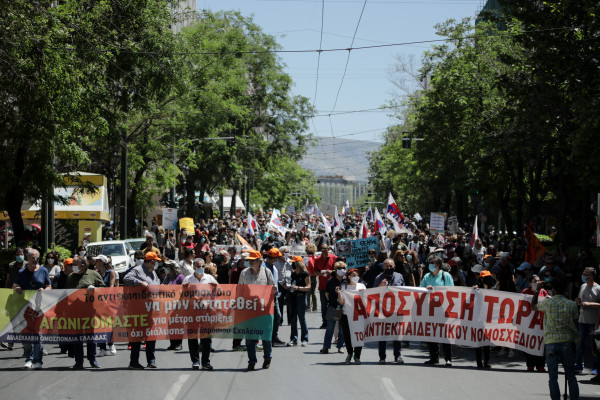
{"points": [[389, 272]]}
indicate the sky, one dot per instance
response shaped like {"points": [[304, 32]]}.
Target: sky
{"points": [[366, 84]]}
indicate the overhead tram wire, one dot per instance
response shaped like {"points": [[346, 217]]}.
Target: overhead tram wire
{"points": [[319, 61], [183, 53], [348, 58]]}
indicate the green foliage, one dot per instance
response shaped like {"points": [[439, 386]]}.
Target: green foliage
{"points": [[62, 252]]}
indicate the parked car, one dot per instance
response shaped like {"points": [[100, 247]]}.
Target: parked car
{"points": [[120, 251], [136, 243]]}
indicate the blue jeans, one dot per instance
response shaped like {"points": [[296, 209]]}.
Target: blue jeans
{"points": [[397, 349], [134, 357], [323, 300], [78, 350], [251, 348], [33, 352], [584, 332], [329, 335], [565, 353], [298, 308], [194, 352]]}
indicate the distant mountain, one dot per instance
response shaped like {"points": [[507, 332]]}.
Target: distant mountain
{"points": [[336, 156]]}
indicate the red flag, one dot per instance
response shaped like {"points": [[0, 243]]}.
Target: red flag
{"points": [[535, 249]]}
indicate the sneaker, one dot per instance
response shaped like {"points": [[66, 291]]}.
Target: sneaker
{"points": [[239, 348], [136, 366], [304, 344], [196, 365], [487, 366], [292, 343], [479, 366], [259, 347], [152, 366], [323, 326], [101, 353], [448, 363], [324, 351], [595, 371], [45, 352], [578, 368], [207, 367], [113, 350], [541, 369], [341, 350], [381, 362], [78, 366], [278, 341], [357, 361], [511, 353], [37, 366], [348, 359], [398, 360], [178, 347], [28, 365], [94, 364], [251, 366], [432, 361], [267, 363], [529, 369]]}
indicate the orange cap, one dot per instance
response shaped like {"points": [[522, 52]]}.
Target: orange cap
{"points": [[483, 274], [297, 258], [151, 256], [254, 255], [68, 261], [274, 252]]}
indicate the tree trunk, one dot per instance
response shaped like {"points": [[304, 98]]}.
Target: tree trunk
{"points": [[232, 204]]}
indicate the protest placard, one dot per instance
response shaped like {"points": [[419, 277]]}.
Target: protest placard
{"points": [[169, 218], [455, 315], [436, 222], [133, 314], [453, 224], [357, 252], [188, 224]]}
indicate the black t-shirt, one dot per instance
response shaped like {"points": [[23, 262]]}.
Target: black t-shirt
{"points": [[300, 279]]}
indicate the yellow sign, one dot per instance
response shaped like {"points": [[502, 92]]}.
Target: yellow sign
{"points": [[188, 224]]}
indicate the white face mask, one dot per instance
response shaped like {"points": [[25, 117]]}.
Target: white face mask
{"points": [[354, 279], [139, 262], [82, 253], [200, 270], [50, 260], [341, 272], [76, 269]]}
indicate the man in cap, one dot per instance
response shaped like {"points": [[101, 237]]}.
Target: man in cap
{"points": [[144, 276], [524, 272], [257, 274], [273, 256], [589, 304], [84, 278]]}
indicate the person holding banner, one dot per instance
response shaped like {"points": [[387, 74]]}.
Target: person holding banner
{"points": [[437, 277], [32, 277], [144, 276], [352, 284], [390, 278], [257, 274], [199, 277], [334, 308], [84, 278], [560, 335]]}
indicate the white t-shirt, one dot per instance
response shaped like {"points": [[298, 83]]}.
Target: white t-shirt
{"points": [[357, 288], [206, 278]]}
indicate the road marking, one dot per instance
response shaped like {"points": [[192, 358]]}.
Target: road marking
{"points": [[391, 389], [176, 387]]}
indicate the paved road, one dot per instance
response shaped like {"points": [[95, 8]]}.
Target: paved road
{"points": [[296, 373]]}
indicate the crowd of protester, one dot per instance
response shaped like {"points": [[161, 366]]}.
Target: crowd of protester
{"points": [[299, 260]]}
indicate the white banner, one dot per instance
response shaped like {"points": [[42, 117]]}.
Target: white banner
{"points": [[169, 218], [436, 222], [455, 315]]}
